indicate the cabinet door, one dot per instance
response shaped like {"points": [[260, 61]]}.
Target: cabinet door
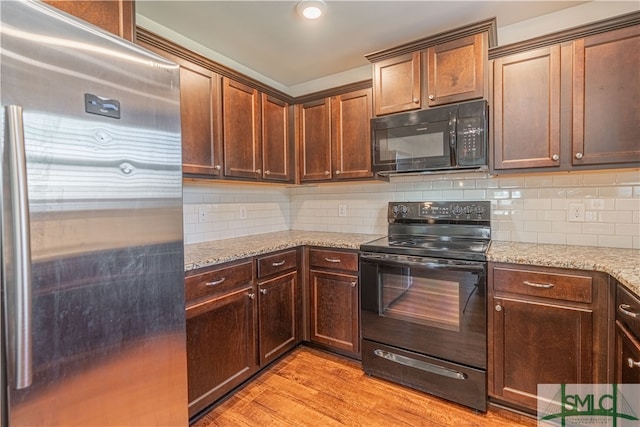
{"points": [[276, 152], [627, 356], [535, 343], [456, 70], [221, 351], [279, 329], [314, 139], [199, 111], [351, 136], [526, 109], [200, 107], [241, 130], [117, 17], [396, 84], [334, 311], [606, 103]]}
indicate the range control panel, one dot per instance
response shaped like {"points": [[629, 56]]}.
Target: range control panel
{"points": [[421, 211]]}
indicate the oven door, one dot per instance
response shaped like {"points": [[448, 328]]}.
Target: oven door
{"points": [[435, 307]]}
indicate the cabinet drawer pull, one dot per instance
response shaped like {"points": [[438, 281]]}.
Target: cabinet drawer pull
{"points": [[215, 282], [251, 295], [632, 363], [539, 285], [263, 291], [278, 264], [334, 260], [626, 309]]}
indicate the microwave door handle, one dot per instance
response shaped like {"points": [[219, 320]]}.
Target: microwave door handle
{"points": [[452, 135]]}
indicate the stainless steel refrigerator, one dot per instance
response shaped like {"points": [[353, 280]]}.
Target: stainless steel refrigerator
{"points": [[93, 326]]}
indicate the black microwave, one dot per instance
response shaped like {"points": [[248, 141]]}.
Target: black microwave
{"points": [[443, 138]]}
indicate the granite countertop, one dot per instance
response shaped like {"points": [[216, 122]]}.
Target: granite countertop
{"points": [[199, 255], [622, 264]]}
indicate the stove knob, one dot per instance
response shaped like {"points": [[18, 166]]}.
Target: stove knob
{"points": [[457, 210]]}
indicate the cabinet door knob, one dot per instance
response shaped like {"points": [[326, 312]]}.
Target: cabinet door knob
{"points": [[578, 156], [267, 172], [217, 167], [258, 171], [263, 291], [338, 172], [555, 157], [416, 100], [327, 173], [251, 295], [432, 97], [632, 363], [498, 307], [353, 284]]}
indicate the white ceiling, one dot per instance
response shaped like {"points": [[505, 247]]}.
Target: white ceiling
{"points": [[268, 37]]}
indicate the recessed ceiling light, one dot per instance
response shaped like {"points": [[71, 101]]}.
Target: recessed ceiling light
{"points": [[311, 9]]}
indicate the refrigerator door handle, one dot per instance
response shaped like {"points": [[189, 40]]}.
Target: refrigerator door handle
{"points": [[22, 340]]}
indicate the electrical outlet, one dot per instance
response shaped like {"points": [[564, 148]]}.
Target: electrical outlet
{"points": [[342, 210], [202, 214], [243, 212], [576, 212]]}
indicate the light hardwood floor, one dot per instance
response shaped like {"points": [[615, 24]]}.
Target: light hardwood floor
{"points": [[310, 387]]}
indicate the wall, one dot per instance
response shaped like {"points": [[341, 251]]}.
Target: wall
{"points": [[525, 208], [214, 211]]}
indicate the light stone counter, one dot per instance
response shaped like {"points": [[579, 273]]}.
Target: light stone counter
{"points": [[216, 252], [622, 264]]}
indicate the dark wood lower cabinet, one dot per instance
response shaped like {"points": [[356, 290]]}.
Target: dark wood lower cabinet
{"points": [[546, 326], [627, 360], [220, 346], [334, 311], [278, 316]]}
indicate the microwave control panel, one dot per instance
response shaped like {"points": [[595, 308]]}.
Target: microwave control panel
{"points": [[471, 141]]}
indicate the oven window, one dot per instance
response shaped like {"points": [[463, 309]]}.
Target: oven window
{"points": [[421, 299]]}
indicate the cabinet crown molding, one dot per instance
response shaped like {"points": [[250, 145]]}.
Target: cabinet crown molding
{"points": [[567, 35], [488, 25]]}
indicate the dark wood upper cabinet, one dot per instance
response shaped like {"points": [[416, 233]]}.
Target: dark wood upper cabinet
{"points": [[440, 69], [526, 109], [568, 101], [314, 140], [396, 83], [456, 70], [241, 130], [606, 98], [350, 134], [334, 137], [200, 114], [115, 16], [276, 145]]}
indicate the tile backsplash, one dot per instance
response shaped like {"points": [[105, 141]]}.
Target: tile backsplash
{"points": [[525, 208]]}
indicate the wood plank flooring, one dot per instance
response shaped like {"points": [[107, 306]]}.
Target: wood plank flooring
{"points": [[310, 387]]}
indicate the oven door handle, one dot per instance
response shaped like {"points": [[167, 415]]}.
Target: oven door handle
{"points": [[424, 262]]}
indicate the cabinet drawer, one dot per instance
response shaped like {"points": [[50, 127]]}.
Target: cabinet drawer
{"points": [[333, 259], [277, 263], [628, 310], [566, 287], [218, 280]]}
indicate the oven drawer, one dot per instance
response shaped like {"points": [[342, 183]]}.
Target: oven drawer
{"points": [[457, 383], [570, 286], [334, 260]]}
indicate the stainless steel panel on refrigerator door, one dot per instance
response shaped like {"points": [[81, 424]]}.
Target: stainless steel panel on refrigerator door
{"points": [[105, 330]]}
